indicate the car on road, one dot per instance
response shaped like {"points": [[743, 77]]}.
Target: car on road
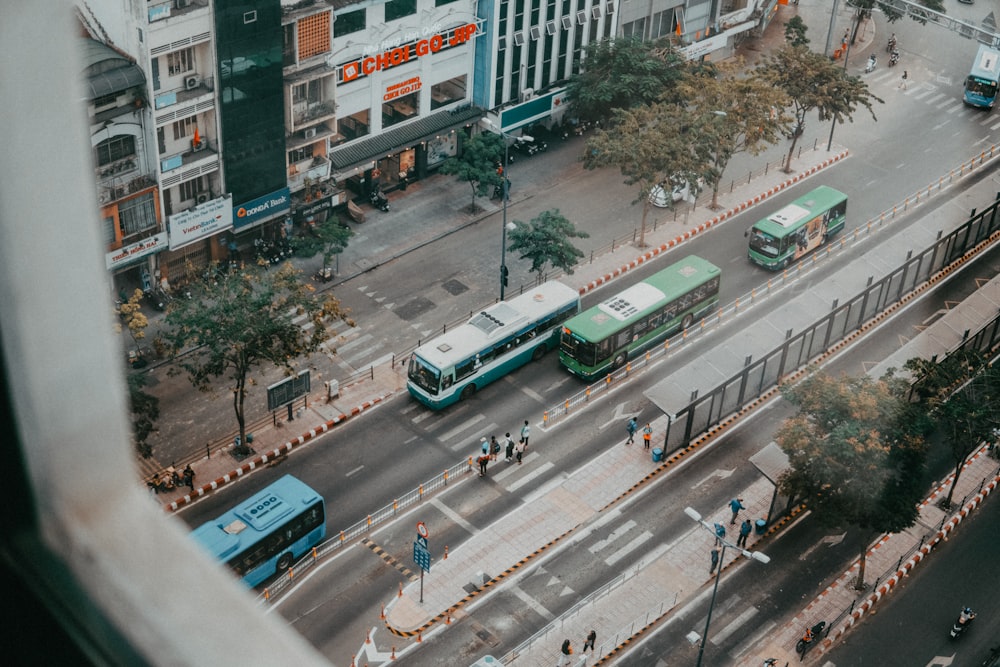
{"points": [[658, 195]]}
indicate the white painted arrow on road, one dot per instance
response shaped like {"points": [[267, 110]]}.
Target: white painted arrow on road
{"points": [[619, 417], [943, 661], [719, 472], [831, 540]]}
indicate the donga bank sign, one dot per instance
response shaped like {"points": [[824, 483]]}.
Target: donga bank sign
{"points": [[262, 208]]}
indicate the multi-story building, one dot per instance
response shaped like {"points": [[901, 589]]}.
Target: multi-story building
{"points": [[263, 112]]}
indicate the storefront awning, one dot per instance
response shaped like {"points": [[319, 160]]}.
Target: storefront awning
{"points": [[398, 138], [107, 71]]}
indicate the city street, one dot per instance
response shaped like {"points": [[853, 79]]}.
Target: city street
{"points": [[922, 132]]}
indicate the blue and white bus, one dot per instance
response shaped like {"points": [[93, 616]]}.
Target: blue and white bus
{"points": [[981, 84], [267, 533], [496, 341]]}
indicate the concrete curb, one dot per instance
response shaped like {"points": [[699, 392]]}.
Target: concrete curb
{"points": [[708, 224], [872, 599], [277, 453]]}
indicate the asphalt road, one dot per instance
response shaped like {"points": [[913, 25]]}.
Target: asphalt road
{"points": [[367, 462]]}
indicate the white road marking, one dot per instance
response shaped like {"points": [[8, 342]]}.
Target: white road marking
{"points": [[454, 516], [615, 534], [356, 470], [644, 537], [540, 470], [533, 603], [723, 634]]}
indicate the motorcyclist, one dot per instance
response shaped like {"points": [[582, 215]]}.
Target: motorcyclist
{"points": [[892, 43], [871, 63], [966, 616]]}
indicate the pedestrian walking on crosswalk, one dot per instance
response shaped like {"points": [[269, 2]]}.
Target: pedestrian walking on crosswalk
{"points": [[902, 82]]}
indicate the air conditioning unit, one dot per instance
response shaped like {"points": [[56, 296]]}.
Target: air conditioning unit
{"points": [[309, 133], [200, 146], [202, 197], [192, 81], [527, 94]]}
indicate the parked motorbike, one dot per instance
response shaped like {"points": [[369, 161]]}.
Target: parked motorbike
{"points": [[811, 636], [155, 299], [378, 200], [498, 191], [962, 624], [893, 58]]}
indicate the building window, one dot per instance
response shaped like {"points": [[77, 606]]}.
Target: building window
{"points": [[438, 3], [288, 44], [184, 128], [300, 154], [180, 62], [447, 92], [314, 35], [397, 9], [191, 189], [108, 225], [349, 22], [137, 215], [106, 100], [354, 126], [114, 149]]}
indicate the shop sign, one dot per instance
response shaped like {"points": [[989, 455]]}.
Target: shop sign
{"points": [[117, 259], [261, 208], [314, 209], [203, 220], [404, 53], [411, 85]]}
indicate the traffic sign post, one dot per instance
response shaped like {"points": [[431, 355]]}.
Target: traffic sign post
{"points": [[422, 555]]}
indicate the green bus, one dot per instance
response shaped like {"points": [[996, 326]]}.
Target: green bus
{"points": [[797, 229], [606, 336]]}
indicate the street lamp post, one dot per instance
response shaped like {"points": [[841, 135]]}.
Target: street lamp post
{"points": [[718, 531], [505, 193]]}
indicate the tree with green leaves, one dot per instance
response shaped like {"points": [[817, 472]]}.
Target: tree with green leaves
{"points": [[795, 31], [546, 240], [813, 81], [731, 113], [478, 164], [855, 458], [651, 145], [145, 410], [962, 393], [623, 74], [327, 238], [239, 320]]}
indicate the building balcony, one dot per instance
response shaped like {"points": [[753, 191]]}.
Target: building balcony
{"points": [[196, 97], [310, 114], [314, 169], [116, 186], [180, 167]]}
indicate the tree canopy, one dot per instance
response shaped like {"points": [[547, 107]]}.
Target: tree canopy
{"points": [[893, 11], [236, 321], [328, 238], [546, 240], [855, 457], [479, 163], [623, 74], [813, 81]]}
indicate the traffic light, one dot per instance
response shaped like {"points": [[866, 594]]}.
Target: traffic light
{"points": [[503, 275]]}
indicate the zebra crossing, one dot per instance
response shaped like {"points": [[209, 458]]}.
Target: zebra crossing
{"points": [[940, 92]]}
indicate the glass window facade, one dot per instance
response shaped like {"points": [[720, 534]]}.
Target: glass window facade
{"points": [[252, 105]]}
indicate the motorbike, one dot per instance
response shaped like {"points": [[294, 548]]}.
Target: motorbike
{"points": [[872, 64], [811, 636], [155, 299], [498, 191], [893, 58], [962, 623], [891, 46], [379, 200]]}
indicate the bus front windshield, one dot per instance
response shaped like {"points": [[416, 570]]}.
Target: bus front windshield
{"points": [[763, 243], [424, 375], [983, 87], [581, 350]]}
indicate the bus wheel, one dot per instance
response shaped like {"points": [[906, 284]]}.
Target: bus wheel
{"points": [[538, 353], [468, 391], [619, 361], [284, 562], [686, 322]]}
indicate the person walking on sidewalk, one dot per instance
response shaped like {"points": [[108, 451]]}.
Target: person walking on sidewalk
{"points": [[565, 653], [591, 639], [736, 504], [632, 426], [525, 432], [647, 434], [519, 451], [745, 528], [189, 476]]}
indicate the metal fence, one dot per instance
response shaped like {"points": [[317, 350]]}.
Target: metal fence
{"points": [[798, 350], [612, 642], [373, 520]]}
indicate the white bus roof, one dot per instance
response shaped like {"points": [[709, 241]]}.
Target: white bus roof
{"points": [[633, 300], [987, 62], [492, 324], [789, 215]]}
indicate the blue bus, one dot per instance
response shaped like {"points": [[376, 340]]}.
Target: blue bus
{"points": [[496, 341], [981, 84], [267, 533]]}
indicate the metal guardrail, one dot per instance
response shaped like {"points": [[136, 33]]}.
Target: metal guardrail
{"points": [[366, 525], [640, 621], [859, 235]]}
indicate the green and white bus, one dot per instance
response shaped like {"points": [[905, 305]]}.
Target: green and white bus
{"points": [[797, 229], [498, 340], [606, 336]]}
